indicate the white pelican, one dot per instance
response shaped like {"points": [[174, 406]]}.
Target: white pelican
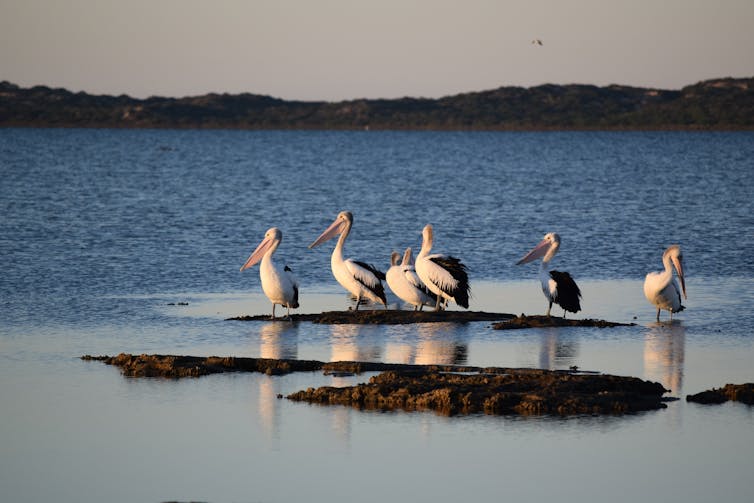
{"points": [[279, 285], [361, 279], [558, 287], [661, 289], [405, 283], [445, 276]]}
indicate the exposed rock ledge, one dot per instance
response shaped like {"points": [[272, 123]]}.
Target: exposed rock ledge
{"points": [[495, 391], [387, 317], [395, 317], [539, 321], [736, 392], [446, 389]]}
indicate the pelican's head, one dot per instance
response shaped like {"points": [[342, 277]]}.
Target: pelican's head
{"points": [[342, 223], [272, 238], [676, 257], [427, 235], [548, 246], [394, 258]]}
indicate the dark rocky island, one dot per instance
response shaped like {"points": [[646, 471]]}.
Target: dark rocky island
{"points": [[387, 317], [504, 321], [540, 321], [718, 104], [736, 392], [494, 391], [174, 367], [445, 389]]}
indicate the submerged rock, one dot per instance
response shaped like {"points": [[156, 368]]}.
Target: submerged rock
{"points": [[736, 392], [494, 391], [539, 321]]}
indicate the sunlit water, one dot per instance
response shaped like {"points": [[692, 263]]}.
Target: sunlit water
{"points": [[105, 235]]}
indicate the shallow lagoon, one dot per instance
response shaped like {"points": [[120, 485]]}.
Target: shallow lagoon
{"points": [[105, 229], [77, 430]]}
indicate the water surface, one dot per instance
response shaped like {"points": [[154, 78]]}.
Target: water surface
{"points": [[105, 233]]}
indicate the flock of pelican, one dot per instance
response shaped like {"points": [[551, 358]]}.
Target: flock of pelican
{"points": [[435, 279]]}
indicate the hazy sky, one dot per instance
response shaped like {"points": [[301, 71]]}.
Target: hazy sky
{"points": [[345, 49]]}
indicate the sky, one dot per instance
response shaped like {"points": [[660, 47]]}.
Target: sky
{"points": [[350, 49]]}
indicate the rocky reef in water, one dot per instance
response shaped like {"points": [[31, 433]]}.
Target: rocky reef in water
{"points": [[540, 321], [504, 321], [387, 317], [735, 392], [445, 389], [495, 391]]}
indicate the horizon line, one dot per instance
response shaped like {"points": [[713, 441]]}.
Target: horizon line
{"points": [[225, 93]]}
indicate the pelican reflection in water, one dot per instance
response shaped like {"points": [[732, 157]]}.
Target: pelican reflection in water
{"points": [[664, 354]]}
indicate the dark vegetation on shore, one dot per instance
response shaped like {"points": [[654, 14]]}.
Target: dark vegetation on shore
{"points": [[718, 104]]}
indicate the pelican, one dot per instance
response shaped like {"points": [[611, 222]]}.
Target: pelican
{"points": [[661, 289], [445, 276], [405, 283], [361, 279], [279, 285], [558, 287]]}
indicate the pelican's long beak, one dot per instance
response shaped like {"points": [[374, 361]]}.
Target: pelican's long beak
{"points": [[335, 228], [407, 258], [679, 269], [257, 254], [538, 251]]}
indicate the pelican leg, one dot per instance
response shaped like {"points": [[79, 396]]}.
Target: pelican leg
{"points": [[548, 309], [437, 304], [658, 314], [273, 311], [358, 301], [671, 315]]}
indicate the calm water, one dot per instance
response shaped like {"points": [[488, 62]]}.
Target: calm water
{"points": [[104, 232]]}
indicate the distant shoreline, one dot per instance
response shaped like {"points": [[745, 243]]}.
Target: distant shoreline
{"points": [[713, 105]]}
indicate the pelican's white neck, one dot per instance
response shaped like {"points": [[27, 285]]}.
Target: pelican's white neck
{"points": [[426, 241]]}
